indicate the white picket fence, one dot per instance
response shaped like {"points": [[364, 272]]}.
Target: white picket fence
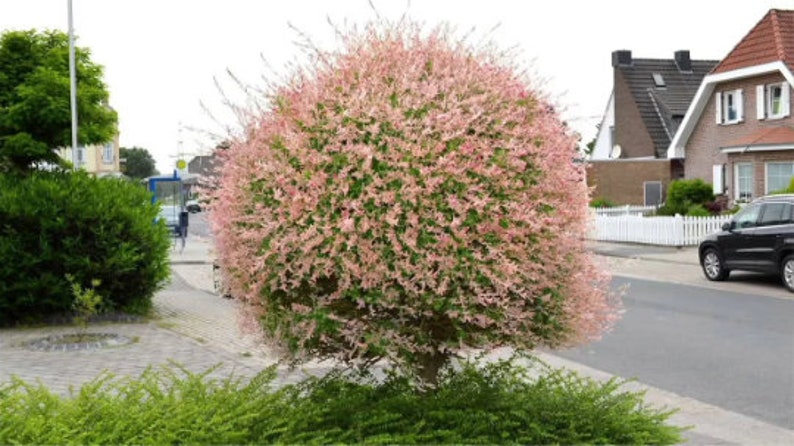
{"points": [[668, 231], [626, 210]]}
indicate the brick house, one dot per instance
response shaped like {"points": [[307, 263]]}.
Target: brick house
{"points": [[629, 163], [739, 132]]}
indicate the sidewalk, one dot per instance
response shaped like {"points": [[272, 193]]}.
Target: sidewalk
{"points": [[685, 255]]}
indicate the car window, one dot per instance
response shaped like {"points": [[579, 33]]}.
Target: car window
{"points": [[747, 217], [775, 214]]}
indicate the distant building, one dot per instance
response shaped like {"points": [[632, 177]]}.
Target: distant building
{"points": [[650, 97], [203, 165], [98, 159]]}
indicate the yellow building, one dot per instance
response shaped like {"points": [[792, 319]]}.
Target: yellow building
{"points": [[98, 159]]}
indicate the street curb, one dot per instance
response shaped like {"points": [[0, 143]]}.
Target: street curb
{"points": [[645, 258]]}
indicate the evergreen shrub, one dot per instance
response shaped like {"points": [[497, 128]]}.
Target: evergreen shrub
{"points": [[683, 194], [54, 224], [498, 403]]}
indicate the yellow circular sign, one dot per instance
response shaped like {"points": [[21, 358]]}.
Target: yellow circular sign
{"points": [[181, 164]]}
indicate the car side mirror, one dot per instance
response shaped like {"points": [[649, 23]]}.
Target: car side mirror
{"points": [[727, 226]]}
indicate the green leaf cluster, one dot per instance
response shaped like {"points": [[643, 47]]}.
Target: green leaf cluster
{"points": [[498, 403], [58, 224], [138, 163], [35, 105], [683, 195]]}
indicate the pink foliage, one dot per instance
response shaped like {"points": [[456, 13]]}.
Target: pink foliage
{"points": [[409, 195]]}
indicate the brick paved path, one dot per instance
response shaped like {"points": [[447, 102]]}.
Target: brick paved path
{"points": [[191, 326]]}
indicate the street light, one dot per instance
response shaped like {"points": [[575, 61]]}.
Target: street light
{"points": [[73, 89]]}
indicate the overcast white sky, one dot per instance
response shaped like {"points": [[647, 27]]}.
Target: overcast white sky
{"points": [[161, 56]]}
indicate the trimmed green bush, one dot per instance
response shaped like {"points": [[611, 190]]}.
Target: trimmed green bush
{"points": [[602, 203], [54, 224], [499, 403], [697, 210], [683, 194]]}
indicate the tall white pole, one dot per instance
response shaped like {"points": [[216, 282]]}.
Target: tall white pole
{"points": [[73, 90]]}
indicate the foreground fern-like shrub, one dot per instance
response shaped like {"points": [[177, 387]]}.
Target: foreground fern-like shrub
{"points": [[408, 197], [499, 403]]}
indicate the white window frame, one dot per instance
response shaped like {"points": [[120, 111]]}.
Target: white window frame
{"points": [[741, 194], [108, 152], [766, 100], [727, 102], [769, 190]]}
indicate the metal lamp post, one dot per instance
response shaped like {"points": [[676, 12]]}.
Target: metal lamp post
{"points": [[73, 90]]}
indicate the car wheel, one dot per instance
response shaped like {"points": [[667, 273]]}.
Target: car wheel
{"points": [[714, 269], [787, 272]]}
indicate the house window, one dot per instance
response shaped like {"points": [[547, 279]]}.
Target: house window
{"points": [[778, 176], [653, 193], [107, 153], [658, 80], [80, 156], [744, 181], [773, 100], [730, 107]]}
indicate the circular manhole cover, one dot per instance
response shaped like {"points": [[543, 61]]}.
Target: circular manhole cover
{"points": [[78, 341]]}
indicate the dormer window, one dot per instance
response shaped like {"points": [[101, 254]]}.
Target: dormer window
{"points": [[772, 100], [658, 80], [730, 107]]}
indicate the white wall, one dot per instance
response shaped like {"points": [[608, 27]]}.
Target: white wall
{"points": [[603, 140]]}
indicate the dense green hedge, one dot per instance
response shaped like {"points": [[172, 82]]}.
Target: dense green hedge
{"points": [[687, 197], [58, 223], [495, 404]]}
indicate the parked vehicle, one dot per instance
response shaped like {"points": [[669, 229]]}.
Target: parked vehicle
{"points": [[193, 206], [759, 238]]}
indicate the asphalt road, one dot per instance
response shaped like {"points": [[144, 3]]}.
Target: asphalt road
{"points": [[734, 350]]}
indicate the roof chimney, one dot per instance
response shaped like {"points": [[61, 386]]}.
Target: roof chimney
{"points": [[683, 61], [621, 58]]}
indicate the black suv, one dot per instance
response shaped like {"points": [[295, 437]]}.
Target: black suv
{"points": [[758, 238]]}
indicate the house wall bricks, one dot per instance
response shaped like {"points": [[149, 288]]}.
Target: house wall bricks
{"points": [[631, 134], [703, 150], [622, 181]]}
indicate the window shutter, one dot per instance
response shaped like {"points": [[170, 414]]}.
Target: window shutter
{"points": [[718, 99], [785, 104], [739, 105], [717, 178], [760, 109]]}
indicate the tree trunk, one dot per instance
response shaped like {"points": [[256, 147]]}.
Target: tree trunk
{"points": [[428, 366]]}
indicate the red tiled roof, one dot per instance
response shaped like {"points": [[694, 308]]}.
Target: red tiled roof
{"points": [[766, 136], [771, 40]]}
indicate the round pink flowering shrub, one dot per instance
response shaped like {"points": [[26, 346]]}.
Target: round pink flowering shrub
{"points": [[409, 197]]}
